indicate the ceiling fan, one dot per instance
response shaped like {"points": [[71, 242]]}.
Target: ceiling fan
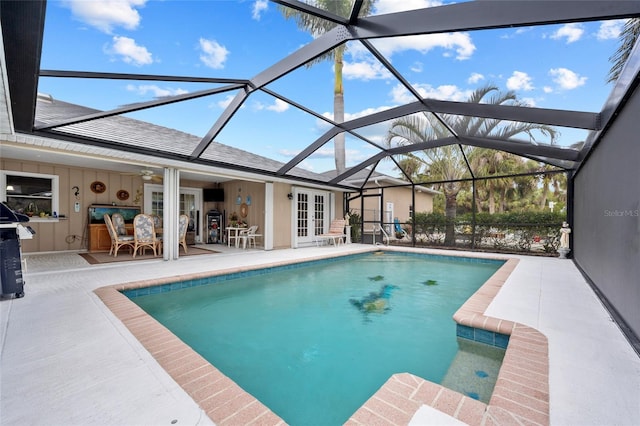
{"points": [[147, 176]]}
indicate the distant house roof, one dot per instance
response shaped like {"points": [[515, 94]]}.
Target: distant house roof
{"points": [[361, 179]]}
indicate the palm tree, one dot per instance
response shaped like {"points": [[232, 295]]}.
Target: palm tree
{"points": [[628, 37], [410, 167], [448, 163], [318, 26], [489, 162]]}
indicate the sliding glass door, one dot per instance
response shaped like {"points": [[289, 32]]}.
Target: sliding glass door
{"points": [[190, 204]]}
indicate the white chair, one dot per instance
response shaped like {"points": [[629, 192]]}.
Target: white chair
{"points": [[249, 235]]}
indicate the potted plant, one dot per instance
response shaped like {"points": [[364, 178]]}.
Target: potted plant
{"points": [[30, 210], [233, 219]]}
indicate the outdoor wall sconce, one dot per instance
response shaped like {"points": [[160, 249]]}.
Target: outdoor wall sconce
{"points": [[239, 199], [290, 196]]}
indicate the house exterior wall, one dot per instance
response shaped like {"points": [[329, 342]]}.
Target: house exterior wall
{"points": [[401, 199], [70, 233]]}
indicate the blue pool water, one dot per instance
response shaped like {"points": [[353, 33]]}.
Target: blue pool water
{"points": [[315, 342]]}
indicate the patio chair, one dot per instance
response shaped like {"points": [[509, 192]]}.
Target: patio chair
{"points": [[398, 229], [249, 235], [117, 241], [144, 234], [157, 221], [118, 222], [336, 233], [183, 224]]}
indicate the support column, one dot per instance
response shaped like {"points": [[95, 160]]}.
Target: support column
{"points": [[268, 216], [171, 212]]}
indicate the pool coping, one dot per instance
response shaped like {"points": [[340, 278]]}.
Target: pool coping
{"points": [[521, 394]]}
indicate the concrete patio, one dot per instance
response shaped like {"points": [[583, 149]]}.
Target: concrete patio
{"points": [[66, 360]]}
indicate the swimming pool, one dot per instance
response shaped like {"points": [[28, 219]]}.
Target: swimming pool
{"points": [[313, 344]]}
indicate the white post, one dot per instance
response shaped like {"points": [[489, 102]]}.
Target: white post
{"points": [[268, 216]]}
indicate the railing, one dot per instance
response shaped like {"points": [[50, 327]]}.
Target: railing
{"points": [[535, 238], [516, 237]]}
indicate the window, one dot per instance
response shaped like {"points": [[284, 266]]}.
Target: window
{"points": [[30, 193]]}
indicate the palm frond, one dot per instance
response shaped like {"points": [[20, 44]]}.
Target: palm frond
{"points": [[628, 38]]}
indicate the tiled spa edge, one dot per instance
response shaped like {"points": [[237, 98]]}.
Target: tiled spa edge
{"points": [[521, 393]]}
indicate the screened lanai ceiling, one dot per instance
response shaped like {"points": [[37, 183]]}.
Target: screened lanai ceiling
{"points": [[420, 79]]}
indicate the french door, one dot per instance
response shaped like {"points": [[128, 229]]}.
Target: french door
{"points": [[190, 204], [312, 214]]}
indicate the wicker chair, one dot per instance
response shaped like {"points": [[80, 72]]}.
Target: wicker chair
{"points": [[117, 241], [183, 224], [144, 235], [118, 222]]}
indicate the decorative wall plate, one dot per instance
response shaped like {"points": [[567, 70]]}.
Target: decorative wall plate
{"points": [[244, 210], [122, 195], [98, 187]]}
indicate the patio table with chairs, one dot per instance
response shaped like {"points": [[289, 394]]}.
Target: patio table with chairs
{"points": [[233, 233]]}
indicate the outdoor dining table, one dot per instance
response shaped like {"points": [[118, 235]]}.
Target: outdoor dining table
{"points": [[235, 230]]}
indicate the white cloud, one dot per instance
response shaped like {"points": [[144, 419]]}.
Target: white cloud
{"points": [[566, 79], [610, 29], [519, 81], [572, 32], [364, 70], [225, 102], [156, 91], [400, 95], [351, 116], [391, 6], [259, 6], [475, 78], [129, 51], [277, 106], [324, 152], [416, 67], [547, 89], [459, 42], [213, 54], [107, 14], [289, 153], [517, 32]]}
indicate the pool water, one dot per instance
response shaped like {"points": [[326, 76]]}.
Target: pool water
{"points": [[315, 342]]}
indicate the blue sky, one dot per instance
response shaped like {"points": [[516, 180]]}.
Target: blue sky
{"points": [[555, 66]]}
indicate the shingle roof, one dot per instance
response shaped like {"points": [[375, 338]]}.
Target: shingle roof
{"points": [[140, 134]]}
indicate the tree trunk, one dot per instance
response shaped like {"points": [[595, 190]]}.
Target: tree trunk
{"points": [[476, 195], [492, 199], [503, 204], [451, 205], [543, 200], [338, 113]]}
